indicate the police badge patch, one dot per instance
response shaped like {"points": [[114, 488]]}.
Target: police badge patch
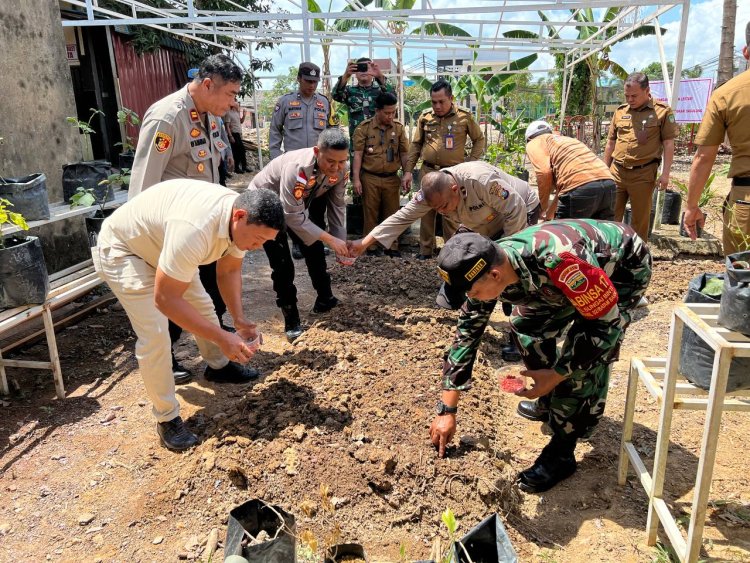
{"points": [[194, 133], [419, 197], [162, 141]]}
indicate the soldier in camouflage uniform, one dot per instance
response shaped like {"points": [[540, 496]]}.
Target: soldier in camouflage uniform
{"points": [[582, 275], [360, 99]]}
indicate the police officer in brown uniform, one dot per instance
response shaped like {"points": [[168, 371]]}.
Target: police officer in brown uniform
{"points": [[380, 150], [181, 138], [440, 141], [728, 112], [641, 130]]}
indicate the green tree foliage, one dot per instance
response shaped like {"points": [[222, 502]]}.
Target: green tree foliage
{"points": [[146, 39], [281, 86], [653, 71]]}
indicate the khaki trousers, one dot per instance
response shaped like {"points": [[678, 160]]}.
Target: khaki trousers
{"points": [[736, 234], [380, 199], [638, 187], [132, 281]]}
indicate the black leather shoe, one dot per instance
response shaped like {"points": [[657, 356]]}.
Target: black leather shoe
{"points": [[175, 435], [423, 257], [231, 373], [392, 253], [510, 353], [292, 326], [296, 252], [547, 471], [324, 305], [293, 333], [533, 410], [180, 374], [375, 252]]}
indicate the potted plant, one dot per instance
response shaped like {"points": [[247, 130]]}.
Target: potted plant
{"points": [[23, 273], [87, 173], [707, 193], [127, 118], [28, 194], [85, 197]]}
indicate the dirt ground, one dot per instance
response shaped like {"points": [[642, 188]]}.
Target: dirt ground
{"points": [[339, 420]]}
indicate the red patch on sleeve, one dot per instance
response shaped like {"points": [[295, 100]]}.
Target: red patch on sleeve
{"points": [[587, 287]]}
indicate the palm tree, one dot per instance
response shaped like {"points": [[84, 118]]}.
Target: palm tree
{"points": [[726, 51]]}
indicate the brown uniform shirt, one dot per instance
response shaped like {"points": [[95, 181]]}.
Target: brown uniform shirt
{"points": [[441, 141], [639, 133], [729, 111], [562, 164], [381, 147]]}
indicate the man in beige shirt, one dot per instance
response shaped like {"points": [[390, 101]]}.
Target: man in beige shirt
{"points": [[581, 183], [728, 113], [440, 141], [149, 252]]}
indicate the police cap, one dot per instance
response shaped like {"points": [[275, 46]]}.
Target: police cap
{"points": [[465, 258], [309, 71]]}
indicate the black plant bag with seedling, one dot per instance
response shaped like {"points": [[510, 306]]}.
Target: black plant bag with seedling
{"points": [[696, 356], [734, 311], [245, 524], [487, 542]]}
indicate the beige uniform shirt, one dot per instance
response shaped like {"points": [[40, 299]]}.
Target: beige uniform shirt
{"points": [[297, 122], [639, 133], [176, 142], [441, 141], [729, 111], [295, 177], [491, 202], [175, 225], [232, 119], [381, 147]]}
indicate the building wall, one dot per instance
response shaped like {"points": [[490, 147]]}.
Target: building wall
{"points": [[37, 94]]}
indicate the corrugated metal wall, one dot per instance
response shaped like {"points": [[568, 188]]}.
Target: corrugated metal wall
{"points": [[146, 78]]}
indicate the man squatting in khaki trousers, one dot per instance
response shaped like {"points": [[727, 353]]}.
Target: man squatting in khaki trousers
{"points": [[440, 141], [149, 251], [640, 128], [380, 150], [728, 112]]}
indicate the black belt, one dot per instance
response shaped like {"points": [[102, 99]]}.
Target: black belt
{"points": [[431, 165], [381, 174], [741, 181], [638, 167]]}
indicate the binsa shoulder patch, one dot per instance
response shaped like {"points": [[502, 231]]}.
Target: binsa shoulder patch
{"points": [[588, 287]]}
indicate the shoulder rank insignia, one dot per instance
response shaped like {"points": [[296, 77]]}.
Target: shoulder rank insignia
{"points": [[194, 115], [213, 125], [162, 141]]}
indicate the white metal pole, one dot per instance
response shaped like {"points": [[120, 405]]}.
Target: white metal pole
{"points": [[680, 54], [663, 58], [305, 31], [255, 109], [564, 92]]}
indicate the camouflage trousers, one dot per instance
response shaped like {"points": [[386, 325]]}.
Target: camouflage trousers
{"points": [[576, 405]]}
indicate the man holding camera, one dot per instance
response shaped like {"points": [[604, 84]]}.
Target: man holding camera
{"points": [[360, 99]]}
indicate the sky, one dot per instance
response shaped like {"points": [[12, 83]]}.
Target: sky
{"points": [[702, 42]]}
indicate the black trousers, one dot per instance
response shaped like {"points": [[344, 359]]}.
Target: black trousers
{"points": [[238, 152], [592, 200], [282, 266], [207, 276]]}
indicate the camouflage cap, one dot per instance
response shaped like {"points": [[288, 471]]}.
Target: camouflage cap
{"points": [[309, 71], [465, 258]]}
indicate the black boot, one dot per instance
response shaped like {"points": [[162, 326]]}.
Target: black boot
{"points": [[231, 373], [296, 252], [180, 374], [510, 353], [175, 435], [292, 326], [323, 305], [555, 463], [533, 410]]}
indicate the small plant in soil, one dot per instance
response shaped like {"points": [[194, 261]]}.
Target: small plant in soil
{"points": [[127, 117], [326, 531], [8, 217], [84, 127], [85, 197]]}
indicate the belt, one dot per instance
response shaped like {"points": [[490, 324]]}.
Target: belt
{"points": [[741, 181], [431, 165], [638, 167], [381, 174]]}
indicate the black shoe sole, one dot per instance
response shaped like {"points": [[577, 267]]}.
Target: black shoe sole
{"points": [[174, 449], [182, 379]]}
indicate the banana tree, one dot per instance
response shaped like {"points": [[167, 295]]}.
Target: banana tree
{"points": [[321, 26]]}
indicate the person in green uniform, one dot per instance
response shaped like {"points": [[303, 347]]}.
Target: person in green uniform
{"points": [[577, 275]]}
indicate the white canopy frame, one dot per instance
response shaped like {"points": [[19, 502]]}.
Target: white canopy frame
{"points": [[184, 20]]}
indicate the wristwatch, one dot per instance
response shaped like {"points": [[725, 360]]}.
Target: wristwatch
{"points": [[441, 408]]}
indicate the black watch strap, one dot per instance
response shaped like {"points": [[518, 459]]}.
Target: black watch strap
{"points": [[442, 408]]}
